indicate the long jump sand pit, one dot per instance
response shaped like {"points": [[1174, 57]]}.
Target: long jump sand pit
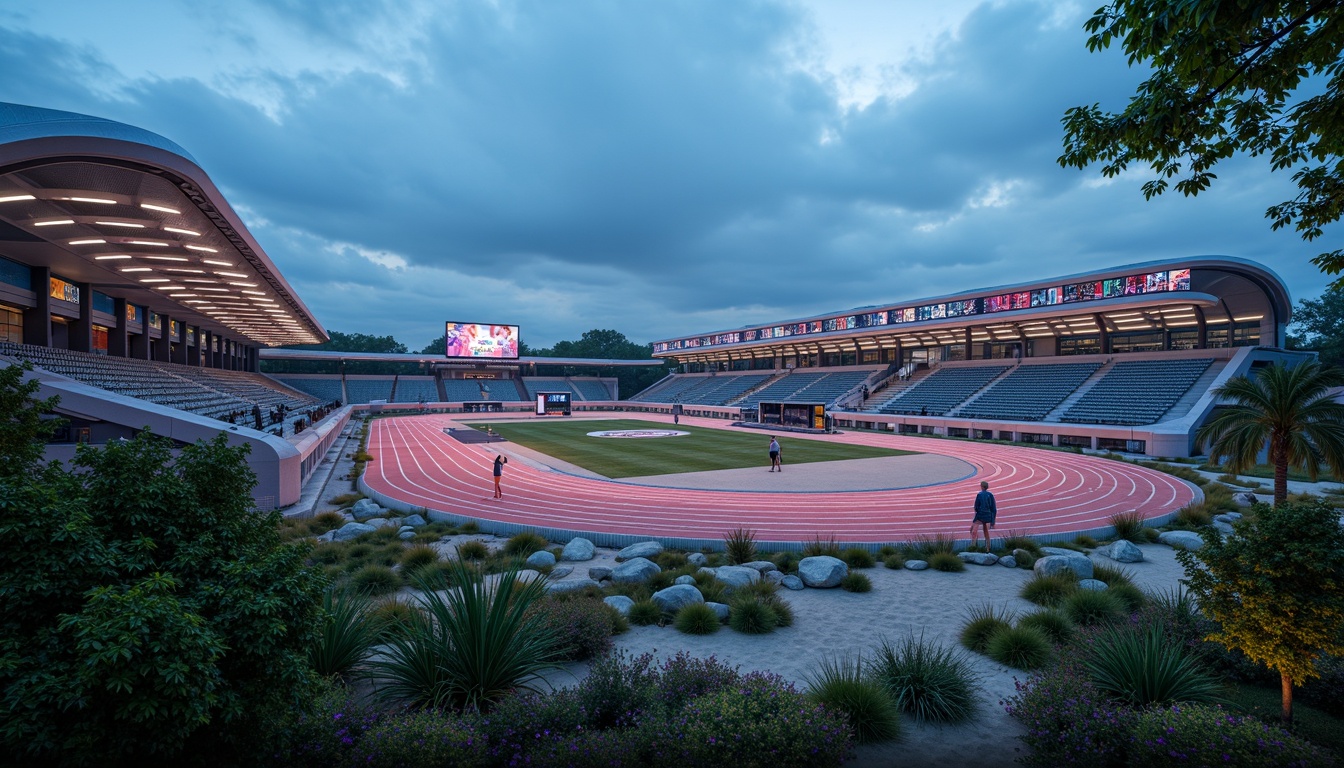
{"points": [[1040, 492]]}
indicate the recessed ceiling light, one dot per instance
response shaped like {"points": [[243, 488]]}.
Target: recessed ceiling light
{"points": [[127, 224], [182, 231], [86, 242], [224, 290], [16, 198], [137, 269], [217, 263], [53, 222], [151, 279], [187, 270], [244, 285], [163, 208], [165, 258], [252, 293], [201, 248], [111, 257], [181, 295], [198, 280], [150, 242], [229, 274], [168, 287], [99, 200]]}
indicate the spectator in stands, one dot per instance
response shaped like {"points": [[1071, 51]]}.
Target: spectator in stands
{"points": [[986, 512], [775, 463], [500, 461]]}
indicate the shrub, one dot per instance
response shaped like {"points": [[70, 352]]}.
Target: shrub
{"points": [[894, 561], [1067, 722], [472, 550], [1026, 560], [982, 622], [819, 546], [1142, 667], [858, 557], [1048, 591], [583, 626], [786, 562], [644, 613], [324, 730], [760, 588], [346, 499], [670, 560], [856, 582], [348, 634], [751, 616], [887, 550], [946, 561], [783, 611], [928, 681], [469, 527], [1151, 535], [1083, 540], [711, 589], [1129, 595], [1018, 541], [1052, 624], [375, 580], [841, 686], [325, 521], [1201, 735], [1111, 574], [389, 613], [1128, 526], [1086, 607], [928, 546], [471, 645], [1019, 647], [739, 546], [696, 619], [1193, 516], [524, 544], [418, 556], [421, 740]]}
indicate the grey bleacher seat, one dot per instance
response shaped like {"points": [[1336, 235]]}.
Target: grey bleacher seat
{"points": [[831, 386], [368, 390], [780, 391], [416, 391], [326, 390], [942, 390], [1030, 392], [590, 389], [681, 389], [1137, 392]]}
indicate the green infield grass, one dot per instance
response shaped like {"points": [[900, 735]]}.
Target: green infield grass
{"points": [[703, 449]]}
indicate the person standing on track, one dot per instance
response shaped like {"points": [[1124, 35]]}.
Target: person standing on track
{"points": [[500, 461], [775, 463], [986, 511]]}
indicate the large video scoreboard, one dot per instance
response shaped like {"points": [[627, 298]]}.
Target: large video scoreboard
{"points": [[553, 403], [480, 341]]}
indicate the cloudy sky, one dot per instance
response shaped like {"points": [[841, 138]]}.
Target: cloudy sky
{"points": [[660, 168]]}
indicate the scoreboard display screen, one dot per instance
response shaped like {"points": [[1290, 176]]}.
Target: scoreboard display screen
{"points": [[553, 403], [480, 341]]}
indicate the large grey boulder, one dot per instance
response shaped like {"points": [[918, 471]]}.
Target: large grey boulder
{"points": [[1123, 551], [775, 577], [573, 585], [1181, 540], [722, 610], [351, 531], [674, 597], [415, 521], [366, 508], [684, 580], [406, 535], [599, 572], [1244, 498], [1053, 565], [762, 566], [704, 570], [578, 550], [620, 602], [1061, 552], [641, 549], [737, 576], [978, 558], [1093, 585], [916, 565], [378, 522], [822, 571], [792, 582], [326, 537], [697, 559], [540, 559], [559, 572], [1008, 561], [635, 571]]}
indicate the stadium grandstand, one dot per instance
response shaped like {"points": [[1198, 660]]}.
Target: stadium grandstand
{"points": [[1119, 359]]}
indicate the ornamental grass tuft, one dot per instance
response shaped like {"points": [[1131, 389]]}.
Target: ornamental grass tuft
{"points": [[947, 562], [894, 561], [739, 546], [841, 685], [1128, 526], [858, 557], [1053, 624], [374, 579], [696, 619], [982, 622], [751, 616], [472, 550], [644, 613], [1142, 667], [928, 681], [856, 582], [348, 633], [819, 546], [1025, 648], [1087, 608], [1048, 591], [524, 544]]}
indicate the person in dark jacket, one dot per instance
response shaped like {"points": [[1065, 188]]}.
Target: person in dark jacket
{"points": [[986, 512]]}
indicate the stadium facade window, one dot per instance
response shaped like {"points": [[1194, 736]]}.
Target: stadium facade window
{"points": [[871, 356], [99, 340], [1037, 438], [1185, 339], [16, 274], [1080, 345], [1120, 444], [103, 303], [958, 432], [956, 352], [64, 290], [1217, 338], [1137, 341], [1246, 334], [11, 325], [1075, 441]]}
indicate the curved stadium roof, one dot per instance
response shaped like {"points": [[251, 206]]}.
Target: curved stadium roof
{"points": [[136, 217]]}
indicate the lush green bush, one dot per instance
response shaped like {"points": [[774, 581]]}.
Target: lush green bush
{"points": [[421, 739], [374, 579], [1048, 591], [1068, 722], [928, 681], [842, 685], [583, 625], [1207, 737], [1086, 607], [982, 622], [858, 557], [1053, 624], [946, 561], [473, 550], [1020, 647], [644, 612], [470, 646], [696, 619], [1129, 595], [418, 556], [144, 597], [739, 546], [751, 616], [525, 543], [894, 561], [1142, 667], [856, 582]]}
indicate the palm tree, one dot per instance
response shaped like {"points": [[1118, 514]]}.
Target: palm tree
{"points": [[1288, 407]]}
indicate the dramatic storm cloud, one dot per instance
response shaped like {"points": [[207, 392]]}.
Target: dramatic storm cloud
{"points": [[657, 168]]}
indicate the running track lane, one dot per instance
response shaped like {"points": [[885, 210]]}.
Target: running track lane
{"points": [[1038, 492]]}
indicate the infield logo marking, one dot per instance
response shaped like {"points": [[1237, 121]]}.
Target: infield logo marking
{"points": [[631, 433]]}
